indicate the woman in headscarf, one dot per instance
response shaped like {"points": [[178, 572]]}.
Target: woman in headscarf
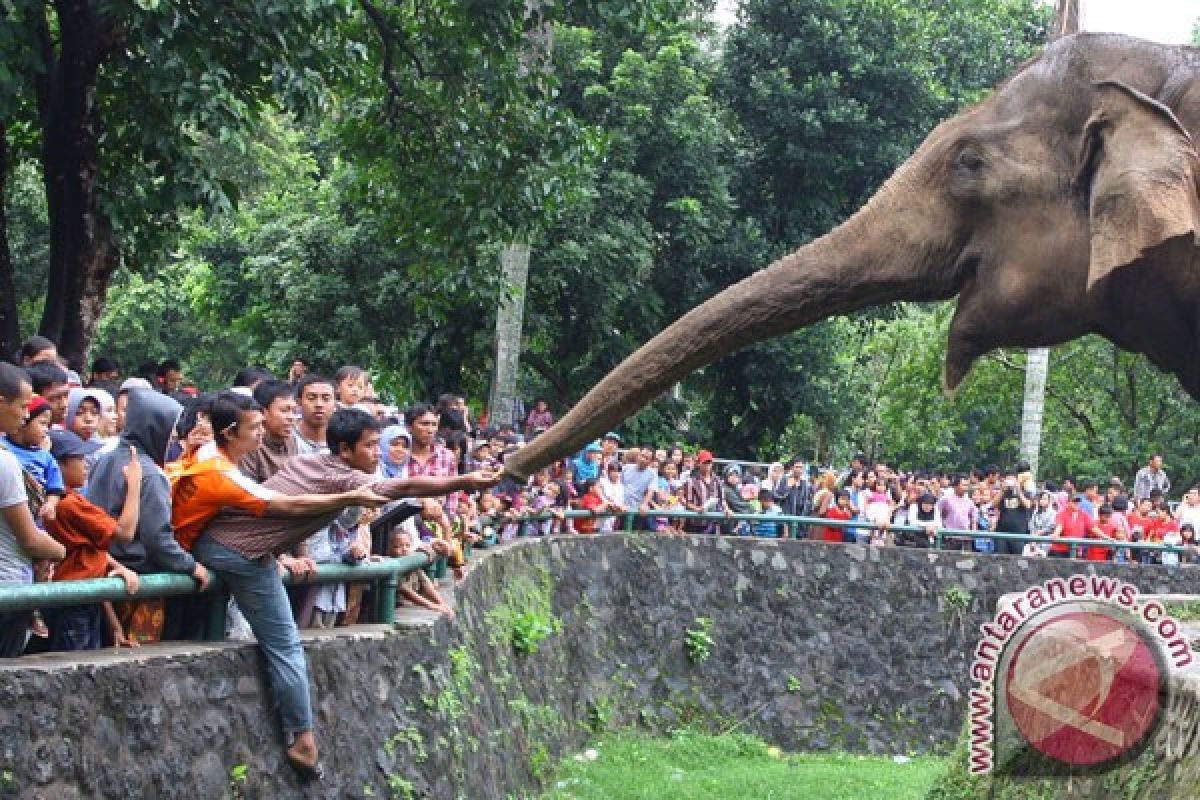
{"points": [[395, 444]]}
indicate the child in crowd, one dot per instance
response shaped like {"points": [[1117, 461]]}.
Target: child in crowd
{"points": [[84, 411], [43, 478], [841, 510], [764, 528], [43, 484], [486, 524], [416, 588], [347, 540], [1187, 539], [85, 530], [1172, 536], [1103, 529], [612, 489], [878, 504], [547, 503], [194, 430], [593, 501], [568, 495]]}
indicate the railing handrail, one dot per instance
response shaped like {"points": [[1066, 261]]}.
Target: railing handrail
{"points": [[25, 597], [940, 533]]}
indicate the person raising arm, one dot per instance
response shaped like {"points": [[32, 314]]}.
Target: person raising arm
{"points": [[214, 482]]}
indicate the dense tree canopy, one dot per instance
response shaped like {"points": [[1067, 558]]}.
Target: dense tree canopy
{"points": [[335, 179]]}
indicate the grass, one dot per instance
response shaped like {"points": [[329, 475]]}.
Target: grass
{"points": [[697, 766], [1188, 611]]}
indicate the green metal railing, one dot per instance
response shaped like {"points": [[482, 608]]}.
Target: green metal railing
{"points": [[940, 536], [384, 572]]}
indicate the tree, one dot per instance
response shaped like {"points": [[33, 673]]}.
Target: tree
{"points": [[110, 99]]}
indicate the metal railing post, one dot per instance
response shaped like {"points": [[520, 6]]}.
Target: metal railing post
{"points": [[217, 616], [386, 611]]}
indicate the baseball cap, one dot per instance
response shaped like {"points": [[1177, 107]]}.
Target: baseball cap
{"points": [[66, 444], [37, 405], [704, 457], [616, 437]]}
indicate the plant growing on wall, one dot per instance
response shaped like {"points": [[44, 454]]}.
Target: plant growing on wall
{"points": [[698, 641]]}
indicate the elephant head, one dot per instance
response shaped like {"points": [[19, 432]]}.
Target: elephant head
{"points": [[1064, 204]]}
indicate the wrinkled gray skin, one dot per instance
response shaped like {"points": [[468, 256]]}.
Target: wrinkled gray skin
{"points": [[1064, 204]]}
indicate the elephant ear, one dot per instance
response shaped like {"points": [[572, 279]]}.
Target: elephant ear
{"points": [[1138, 171]]}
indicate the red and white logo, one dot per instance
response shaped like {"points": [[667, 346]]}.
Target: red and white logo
{"points": [[1083, 687], [1076, 669]]}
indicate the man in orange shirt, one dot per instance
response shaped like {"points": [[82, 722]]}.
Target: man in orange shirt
{"points": [[214, 482], [86, 530]]}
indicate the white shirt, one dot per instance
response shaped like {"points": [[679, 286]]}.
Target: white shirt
{"points": [[15, 565]]}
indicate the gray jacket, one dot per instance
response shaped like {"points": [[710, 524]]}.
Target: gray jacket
{"points": [[150, 418]]}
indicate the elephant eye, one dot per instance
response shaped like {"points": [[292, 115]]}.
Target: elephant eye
{"points": [[969, 160]]}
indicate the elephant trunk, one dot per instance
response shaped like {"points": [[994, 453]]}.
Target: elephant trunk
{"points": [[883, 253]]}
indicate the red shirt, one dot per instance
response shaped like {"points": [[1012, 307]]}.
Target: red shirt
{"points": [[828, 534], [1075, 524], [85, 530], [590, 502], [1101, 553], [1151, 526]]}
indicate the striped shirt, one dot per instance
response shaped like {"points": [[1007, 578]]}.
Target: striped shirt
{"points": [[440, 464], [313, 473]]}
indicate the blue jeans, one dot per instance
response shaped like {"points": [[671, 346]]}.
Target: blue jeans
{"points": [[75, 627], [259, 592]]}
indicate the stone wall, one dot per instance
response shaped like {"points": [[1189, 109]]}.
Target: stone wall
{"points": [[813, 646]]}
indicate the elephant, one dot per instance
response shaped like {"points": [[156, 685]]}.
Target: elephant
{"points": [[1063, 204]]}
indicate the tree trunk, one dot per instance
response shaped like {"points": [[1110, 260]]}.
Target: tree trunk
{"points": [[510, 316], [1037, 364], [10, 328], [83, 247]]}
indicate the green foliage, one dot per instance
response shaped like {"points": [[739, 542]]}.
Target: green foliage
{"points": [[793, 684], [400, 788], [525, 618], [955, 599], [697, 640], [1188, 611], [599, 715], [528, 630], [692, 765], [457, 691], [238, 775], [412, 739]]}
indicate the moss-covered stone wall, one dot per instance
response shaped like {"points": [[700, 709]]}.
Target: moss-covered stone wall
{"points": [[811, 645]]}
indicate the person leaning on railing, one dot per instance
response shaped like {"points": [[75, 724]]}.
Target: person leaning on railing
{"points": [[240, 548], [20, 540]]}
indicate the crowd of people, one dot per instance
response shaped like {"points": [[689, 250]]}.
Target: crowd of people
{"points": [[122, 477]]}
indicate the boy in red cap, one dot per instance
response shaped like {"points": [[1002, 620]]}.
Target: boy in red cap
{"points": [[86, 530]]}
